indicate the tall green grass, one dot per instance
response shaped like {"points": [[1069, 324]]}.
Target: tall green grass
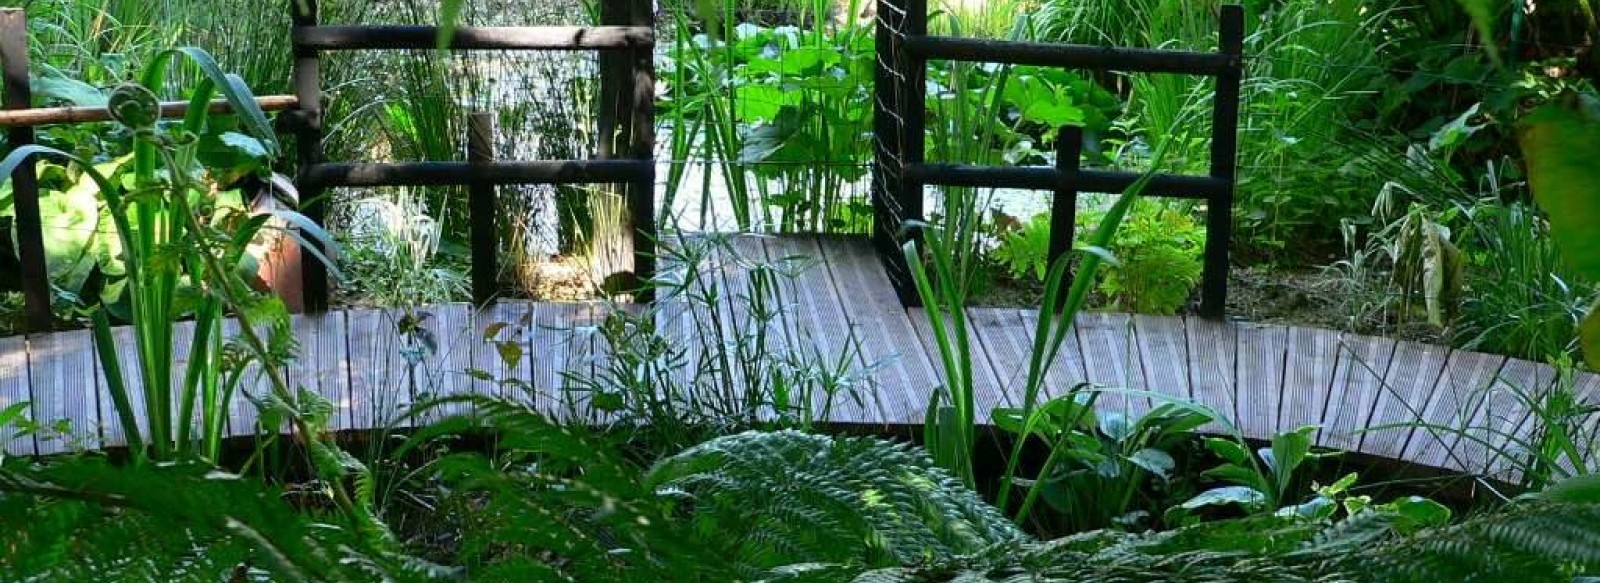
{"points": [[1522, 300], [1312, 67]]}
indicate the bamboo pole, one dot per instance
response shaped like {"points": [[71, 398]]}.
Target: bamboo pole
{"points": [[42, 116]]}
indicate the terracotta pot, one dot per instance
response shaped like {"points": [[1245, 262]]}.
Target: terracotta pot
{"points": [[278, 255]]}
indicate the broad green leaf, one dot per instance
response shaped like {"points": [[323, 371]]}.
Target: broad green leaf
{"points": [[1453, 134], [1247, 497], [1559, 143], [12, 413], [1235, 474], [53, 86], [1229, 450], [1318, 508], [1414, 513], [763, 102], [1288, 451], [1579, 490], [1155, 461]]}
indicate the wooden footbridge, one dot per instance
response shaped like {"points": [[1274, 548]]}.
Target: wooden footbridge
{"points": [[1268, 378], [372, 363]]}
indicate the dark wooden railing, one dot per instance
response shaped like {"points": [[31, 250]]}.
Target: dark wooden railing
{"points": [[904, 49], [625, 41], [626, 123]]}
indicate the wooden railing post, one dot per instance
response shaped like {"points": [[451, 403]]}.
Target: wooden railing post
{"points": [[481, 212], [627, 130], [308, 141], [1224, 150], [25, 180], [1064, 203], [899, 119], [642, 195]]}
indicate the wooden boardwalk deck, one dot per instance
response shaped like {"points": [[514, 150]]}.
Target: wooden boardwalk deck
{"points": [[1267, 378]]}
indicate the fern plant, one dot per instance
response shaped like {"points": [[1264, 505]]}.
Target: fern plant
{"points": [[83, 519], [789, 497], [1553, 539]]}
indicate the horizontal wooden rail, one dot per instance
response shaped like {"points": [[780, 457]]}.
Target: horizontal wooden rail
{"points": [[519, 38], [43, 116], [469, 173], [1047, 178], [1068, 56]]}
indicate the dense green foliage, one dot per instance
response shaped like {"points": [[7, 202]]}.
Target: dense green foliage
{"points": [[555, 504]]}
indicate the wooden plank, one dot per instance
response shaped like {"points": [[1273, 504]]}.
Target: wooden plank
{"points": [[1012, 345], [885, 333], [1586, 385], [1007, 352], [549, 345], [985, 382], [569, 329], [254, 384], [383, 360], [1357, 383], [322, 364], [687, 319], [730, 265], [1068, 370], [690, 365], [802, 276], [1258, 394], [1412, 375], [1509, 417], [1586, 393], [1308, 377], [13, 390], [446, 367], [820, 327], [1463, 385], [1111, 361], [183, 342], [501, 353], [1163, 355], [127, 349], [1211, 366], [63, 378]]}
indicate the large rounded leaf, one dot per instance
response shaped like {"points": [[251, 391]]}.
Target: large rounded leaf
{"points": [[1560, 144]]}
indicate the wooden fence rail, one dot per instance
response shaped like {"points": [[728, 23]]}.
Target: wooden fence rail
{"points": [[904, 50], [626, 126], [627, 118]]}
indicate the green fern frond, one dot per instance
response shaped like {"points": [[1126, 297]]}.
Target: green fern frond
{"points": [[1531, 542], [557, 503], [787, 497], [83, 519]]}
